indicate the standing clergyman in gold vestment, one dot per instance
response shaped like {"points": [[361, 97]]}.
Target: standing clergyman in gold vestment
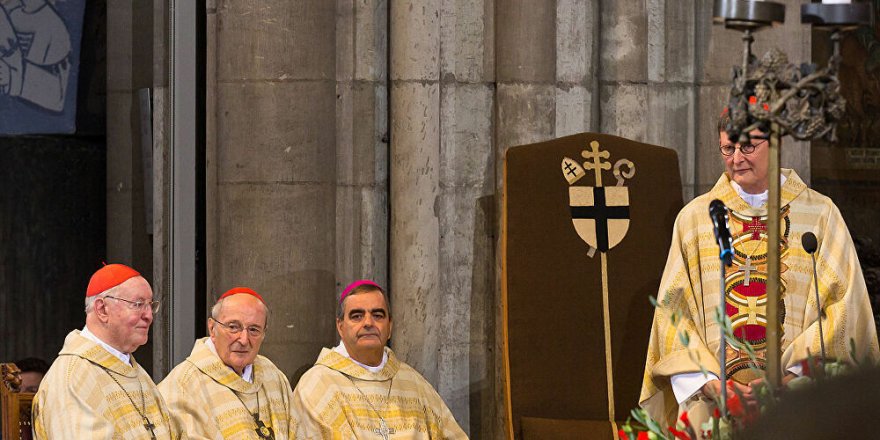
{"points": [[673, 379], [359, 389], [95, 389], [224, 389]]}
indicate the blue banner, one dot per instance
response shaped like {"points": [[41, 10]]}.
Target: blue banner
{"points": [[39, 65]]}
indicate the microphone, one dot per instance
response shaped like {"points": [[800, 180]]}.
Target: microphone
{"points": [[810, 244], [718, 213]]}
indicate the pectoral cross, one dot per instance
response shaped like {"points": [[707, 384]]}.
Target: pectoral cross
{"points": [[263, 431], [383, 430], [747, 268], [149, 426]]}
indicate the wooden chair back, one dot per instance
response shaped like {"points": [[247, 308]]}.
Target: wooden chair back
{"points": [[15, 406]]}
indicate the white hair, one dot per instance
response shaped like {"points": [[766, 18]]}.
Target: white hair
{"points": [[90, 300], [215, 311]]}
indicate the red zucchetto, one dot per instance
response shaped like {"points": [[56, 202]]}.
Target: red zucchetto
{"points": [[109, 276], [244, 290]]}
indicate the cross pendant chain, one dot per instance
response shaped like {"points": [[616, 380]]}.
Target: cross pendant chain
{"points": [[148, 425], [383, 429]]}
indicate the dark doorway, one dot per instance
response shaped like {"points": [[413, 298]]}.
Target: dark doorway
{"points": [[53, 214]]}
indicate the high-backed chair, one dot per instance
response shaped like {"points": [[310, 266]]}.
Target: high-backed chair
{"points": [[15, 406], [571, 312]]}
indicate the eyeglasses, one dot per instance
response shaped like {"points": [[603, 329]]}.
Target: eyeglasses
{"points": [[138, 305], [746, 149], [235, 328]]}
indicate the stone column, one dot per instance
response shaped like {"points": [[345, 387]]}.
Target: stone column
{"points": [[361, 141], [671, 99], [415, 184], [577, 64], [465, 208], [526, 103], [623, 73], [442, 208], [272, 217]]}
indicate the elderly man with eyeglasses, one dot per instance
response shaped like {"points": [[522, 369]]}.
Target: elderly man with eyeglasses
{"points": [[225, 389], [688, 296], [95, 389]]}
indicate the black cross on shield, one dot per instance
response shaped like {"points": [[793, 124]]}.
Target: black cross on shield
{"points": [[600, 214]]}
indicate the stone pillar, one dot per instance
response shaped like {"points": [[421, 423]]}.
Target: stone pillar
{"points": [[415, 184], [465, 208], [623, 73], [526, 103], [361, 141], [577, 64], [272, 199], [671, 94], [442, 207]]}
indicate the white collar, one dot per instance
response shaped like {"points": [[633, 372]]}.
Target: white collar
{"points": [[756, 200], [341, 350], [124, 357], [247, 374]]}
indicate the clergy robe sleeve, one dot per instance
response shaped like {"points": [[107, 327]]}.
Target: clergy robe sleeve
{"points": [[308, 396], [440, 412], [190, 404], [679, 311], [844, 298], [68, 413]]}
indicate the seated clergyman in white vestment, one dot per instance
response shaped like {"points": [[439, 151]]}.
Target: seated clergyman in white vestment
{"points": [[225, 389], [95, 389], [359, 389], [689, 288]]}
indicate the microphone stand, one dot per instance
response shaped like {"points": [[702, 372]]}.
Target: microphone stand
{"points": [[818, 307], [725, 258], [722, 314]]}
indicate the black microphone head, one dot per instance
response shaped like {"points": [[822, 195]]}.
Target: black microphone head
{"points": [[717, 206], [809, 242], [718, 214]]}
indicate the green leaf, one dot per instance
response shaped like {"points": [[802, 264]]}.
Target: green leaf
{"points": [[684, 338]]}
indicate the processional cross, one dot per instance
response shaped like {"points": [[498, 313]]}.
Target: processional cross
{"points": [[597, 164], [600, 216]]}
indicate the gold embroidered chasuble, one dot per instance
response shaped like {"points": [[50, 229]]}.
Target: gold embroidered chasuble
{"points": [[78, 399], [690, 282], [201, 396], [338, 399]]}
